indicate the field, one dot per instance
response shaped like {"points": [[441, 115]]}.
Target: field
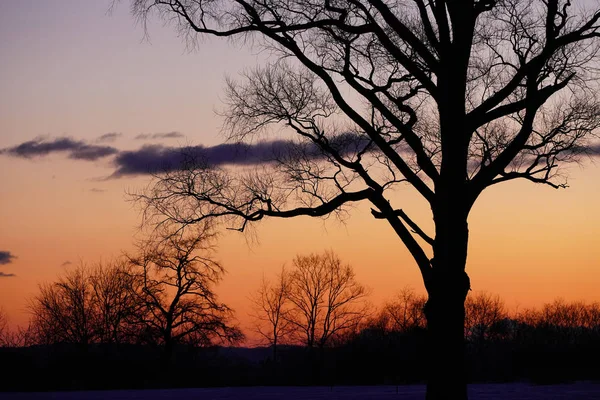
{"points": [[512, 391]]}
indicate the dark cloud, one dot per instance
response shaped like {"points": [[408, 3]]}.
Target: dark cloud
{"points": [[108, 137], [66, 263], [159, 158], [153, 158], [594, 149], [76, 149], [6, 257], [167, 135]]}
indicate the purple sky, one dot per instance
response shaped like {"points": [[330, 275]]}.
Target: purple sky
{"points": [[71, 67]]}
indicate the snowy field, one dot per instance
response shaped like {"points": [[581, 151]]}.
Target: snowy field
{"points": [[512, 391]]}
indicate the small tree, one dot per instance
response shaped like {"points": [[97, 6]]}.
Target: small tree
{"points": [[405, 312], [483, 313], [271, 309], [173, 280], [5, 333], [325, 298]]}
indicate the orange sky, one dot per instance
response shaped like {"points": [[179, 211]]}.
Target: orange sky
{"points": [[81, 73]]}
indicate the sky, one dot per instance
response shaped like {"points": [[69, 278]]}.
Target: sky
{"points": [[83, 90]]}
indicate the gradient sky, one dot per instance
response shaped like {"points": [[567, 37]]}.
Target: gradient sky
{"points": [[69, 68]]}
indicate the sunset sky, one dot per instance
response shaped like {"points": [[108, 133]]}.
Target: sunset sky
{"points": [[82, 90]]}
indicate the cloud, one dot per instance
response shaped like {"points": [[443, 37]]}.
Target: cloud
{"points": [[108, 137], [76, 149], [159, 158], [66, 263], [154, 158], [97, 190], [167, 135], [6, 257], [594, 149]]}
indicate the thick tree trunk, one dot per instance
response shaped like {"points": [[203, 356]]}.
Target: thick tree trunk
{"points": [[167, 353], [445, 314], [447, 288]]}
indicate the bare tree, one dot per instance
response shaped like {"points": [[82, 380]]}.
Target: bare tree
{"points": [[5, 333], [173, 280], [114, 302], [405, 312], [63, 311], [326, 300], [459, 96], [483, 311], [85, 305], [271, 308]]}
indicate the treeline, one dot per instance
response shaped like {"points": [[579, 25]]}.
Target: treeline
{"points": [[558, 342], [152, 319]]}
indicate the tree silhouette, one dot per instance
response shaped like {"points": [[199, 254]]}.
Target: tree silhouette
{"points": [[405, 312], [459, 96], [5, 334], [325, 299], [85, 305], [483, 312], [271, 308], [63, 311], [173, 279], [114, 303]]}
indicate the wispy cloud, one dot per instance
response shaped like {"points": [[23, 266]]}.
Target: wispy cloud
{"points": [[76, 149], [6, 257], [66, 263], [5, 275], [153, 136], [97, 190], [108, 137]]}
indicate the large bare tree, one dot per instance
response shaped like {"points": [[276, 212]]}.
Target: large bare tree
{"points": [[449, 97]]}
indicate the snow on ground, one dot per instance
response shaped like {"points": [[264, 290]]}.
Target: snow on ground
{"points": [[512, 391]]}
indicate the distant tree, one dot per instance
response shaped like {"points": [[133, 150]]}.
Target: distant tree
{"points": [[85, 305], [325, 298], [5, 339], [114, 303], [63, 311], [483, 312], [173, 278], [405, 312], [449, 97], [271, 309]]}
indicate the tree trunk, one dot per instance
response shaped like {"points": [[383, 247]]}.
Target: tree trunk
{"points": [[447, 288], [167, 354], [445, 314]]}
